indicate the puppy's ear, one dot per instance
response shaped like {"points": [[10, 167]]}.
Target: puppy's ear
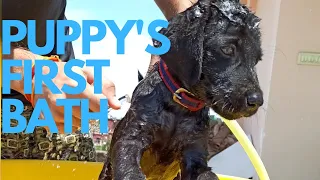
{"points": [[186, 34]]}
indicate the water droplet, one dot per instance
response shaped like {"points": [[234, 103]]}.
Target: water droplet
{"points": [[73, 170], [198, 13], [58, 166]]}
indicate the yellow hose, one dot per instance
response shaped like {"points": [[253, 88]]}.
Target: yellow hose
{"points": [[249, 149]]}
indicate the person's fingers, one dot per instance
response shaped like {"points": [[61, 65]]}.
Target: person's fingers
{"points": [[75, 128], [76, 121], [59, 121], [76, 109], [76, 115], [60, 127], [59, 118], [89, 74], [108, 89], [94, 99], [88, 93]]}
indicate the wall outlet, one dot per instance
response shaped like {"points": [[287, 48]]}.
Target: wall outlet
{"points": [[305, 58]]}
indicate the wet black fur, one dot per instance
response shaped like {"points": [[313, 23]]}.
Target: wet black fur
{"points": [[197, 62]]}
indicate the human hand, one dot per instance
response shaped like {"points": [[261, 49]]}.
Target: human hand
{"points": [[169, 9], [61, 79], [172, 7], [108, 91]]}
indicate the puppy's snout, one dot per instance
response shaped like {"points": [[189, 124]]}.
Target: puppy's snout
{"points": [[254, 99]]}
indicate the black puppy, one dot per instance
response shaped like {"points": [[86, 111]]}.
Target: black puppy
{"points": [[215, 46]]}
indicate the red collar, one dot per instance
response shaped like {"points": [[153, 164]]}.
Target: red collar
{"points": [[180, 95]]}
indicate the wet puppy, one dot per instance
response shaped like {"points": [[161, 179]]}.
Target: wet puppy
{"points": [[215, 46]]}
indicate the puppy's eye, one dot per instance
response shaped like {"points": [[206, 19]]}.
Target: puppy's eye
{"points": [[228, 50]]}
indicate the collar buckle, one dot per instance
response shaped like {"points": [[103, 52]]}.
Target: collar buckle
{"points": [[176, 97], [181, 90], [180, 95]]}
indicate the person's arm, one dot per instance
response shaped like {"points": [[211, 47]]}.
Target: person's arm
{"points": [[172, 7], [169, 9]]}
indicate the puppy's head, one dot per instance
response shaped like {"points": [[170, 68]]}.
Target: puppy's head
{"points": [[215, 46]]}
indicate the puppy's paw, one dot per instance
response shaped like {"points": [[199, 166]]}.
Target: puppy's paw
{"points": [[208, 175]]}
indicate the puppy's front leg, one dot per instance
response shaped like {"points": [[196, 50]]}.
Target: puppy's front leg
{"points": [[194, 164], [127, 151]]}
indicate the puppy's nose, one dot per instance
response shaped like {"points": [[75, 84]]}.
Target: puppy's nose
{"points": [[254, 99]]}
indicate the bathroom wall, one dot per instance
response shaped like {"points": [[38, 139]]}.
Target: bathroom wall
{"points": [[290, 148], [286, 129]]}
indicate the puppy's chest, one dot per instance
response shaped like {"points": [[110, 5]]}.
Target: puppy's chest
{"points": [[162, 160], [160, 165]]}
